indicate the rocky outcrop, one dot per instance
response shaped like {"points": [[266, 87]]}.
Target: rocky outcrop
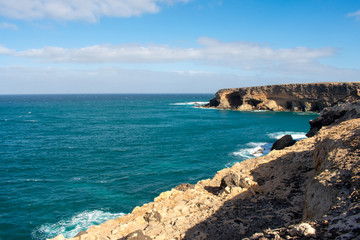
{"points": [[288, 97], [344, 109], [310, 190], [283, 142]]}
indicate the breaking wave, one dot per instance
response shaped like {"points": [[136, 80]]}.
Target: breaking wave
{"points": [[189, 103], [295, 135], [253, 149], [72, 226]]}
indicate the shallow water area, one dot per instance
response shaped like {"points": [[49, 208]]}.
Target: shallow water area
{"points": [[70, 161]]}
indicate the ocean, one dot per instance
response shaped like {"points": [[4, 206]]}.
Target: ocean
{"points": [[72, 161]]}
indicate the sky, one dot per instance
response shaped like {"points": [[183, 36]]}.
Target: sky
{"points": [[175, 46]]}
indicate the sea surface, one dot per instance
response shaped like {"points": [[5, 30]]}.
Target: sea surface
{"points": [[71, 161]]}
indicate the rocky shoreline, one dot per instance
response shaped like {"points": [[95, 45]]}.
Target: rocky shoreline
{"points": [[310, 190], [305, 97]]}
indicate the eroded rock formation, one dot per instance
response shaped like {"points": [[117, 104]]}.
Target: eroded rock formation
{"points": [[346, 108], [287, 97]]}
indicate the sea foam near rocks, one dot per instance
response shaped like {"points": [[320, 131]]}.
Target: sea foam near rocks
{"points": [[295, 135], [253, 149], [74, 225], [189, 103]]}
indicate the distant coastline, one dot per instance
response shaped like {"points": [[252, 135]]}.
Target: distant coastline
{"points": [[306, 97]]}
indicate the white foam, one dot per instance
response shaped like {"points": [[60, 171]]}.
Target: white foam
{"points": [[71, 227], [189, 103], [260, 111], [253, 149], [295, 135], [75, 179]]}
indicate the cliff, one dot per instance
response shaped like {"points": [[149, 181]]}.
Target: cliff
{"points": [[288, 97], [310, 190]]}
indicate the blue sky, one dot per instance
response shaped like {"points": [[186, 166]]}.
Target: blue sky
{"points": [[174, 46]]}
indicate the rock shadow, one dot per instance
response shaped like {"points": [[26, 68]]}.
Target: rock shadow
{"points": [[278, 206]]}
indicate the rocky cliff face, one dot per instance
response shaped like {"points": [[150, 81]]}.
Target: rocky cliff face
{"points": [[288, 97], [310, 190], [344, 109]]}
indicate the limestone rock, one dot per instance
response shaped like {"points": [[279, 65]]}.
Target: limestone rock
{"points": [[287, 97], [137, 235], [303, 230], [283, 142], [230, 180], [59, 237], [344, 109], [152, 216], [184, 186]]}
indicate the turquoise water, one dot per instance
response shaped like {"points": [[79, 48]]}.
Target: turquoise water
{"points": [[70, 161]]}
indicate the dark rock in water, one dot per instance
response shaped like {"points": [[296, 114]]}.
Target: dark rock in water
{"points": [[230, 180], [153, 216], [184, 186], [283, 142], [137, 235]]}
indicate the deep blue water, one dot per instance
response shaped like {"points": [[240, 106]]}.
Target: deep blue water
{"points": [[69, 161]]}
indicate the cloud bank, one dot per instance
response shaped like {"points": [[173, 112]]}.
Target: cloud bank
{"points": [[211, 51], [89, 10]]}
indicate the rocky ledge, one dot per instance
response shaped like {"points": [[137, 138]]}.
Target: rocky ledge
{"points": [[287, 97], [310, 190]]}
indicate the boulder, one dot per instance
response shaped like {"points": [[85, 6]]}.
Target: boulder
{"points": [[234, 180], [184, 186], [230, 180], [152, 216], [283, 142], [303, 230], [137, 235]]}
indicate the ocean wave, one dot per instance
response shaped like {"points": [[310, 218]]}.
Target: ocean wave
{"points": [[71, 227], [189, 103], [295, 135], [253, 149], [260, 111], [33, 121]]}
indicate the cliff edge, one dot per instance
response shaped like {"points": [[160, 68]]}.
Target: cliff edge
{"points": [[310, 190], [287, 97]]}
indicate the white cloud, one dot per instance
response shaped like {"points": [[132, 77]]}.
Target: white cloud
{"points": [[5, 51], [253, 54], [6, 25], [356, 15], [88, 10], [211, 51]]}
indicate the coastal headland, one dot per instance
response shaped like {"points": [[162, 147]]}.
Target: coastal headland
{"points": [[310, 190], [312, 97]]}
